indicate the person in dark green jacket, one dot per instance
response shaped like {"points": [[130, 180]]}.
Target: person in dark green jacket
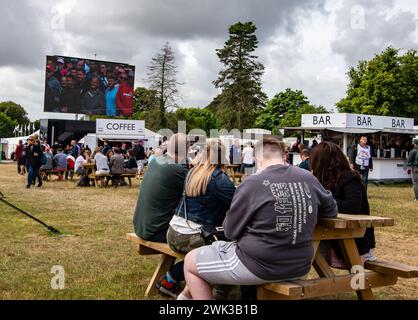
{"points": [[413, 161], [161, 191], [305, 160]]}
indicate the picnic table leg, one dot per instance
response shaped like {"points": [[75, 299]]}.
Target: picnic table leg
{"points": [[163, 266], [130, 182], [320, 264], [351, 252]]}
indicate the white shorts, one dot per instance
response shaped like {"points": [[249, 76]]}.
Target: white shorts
{"points": [[219, 264]]}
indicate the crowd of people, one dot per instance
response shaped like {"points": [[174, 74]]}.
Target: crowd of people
{"points": [[183, 204], [88, 87], [257, 233]]}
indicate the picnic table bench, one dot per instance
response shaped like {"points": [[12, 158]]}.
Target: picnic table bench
{"points": [[345, 229], [107, 177], [60, 173]]}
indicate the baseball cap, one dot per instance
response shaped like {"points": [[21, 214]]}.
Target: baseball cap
{"points": [[60, 60]]}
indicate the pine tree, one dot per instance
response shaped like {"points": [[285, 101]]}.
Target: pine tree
{"points": [[240, 78], [162, 79]]}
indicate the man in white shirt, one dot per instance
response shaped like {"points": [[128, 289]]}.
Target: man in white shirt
{"points": [[247, 159], [363, 161]]}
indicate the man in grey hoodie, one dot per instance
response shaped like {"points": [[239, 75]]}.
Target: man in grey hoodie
{"points": [[271, 222]]}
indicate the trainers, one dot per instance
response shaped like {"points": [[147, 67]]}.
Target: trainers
{"points": [[370, 256], [168, 286]]}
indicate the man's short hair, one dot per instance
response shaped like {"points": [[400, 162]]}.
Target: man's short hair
{"points": [[305, 153], [271, 147]]}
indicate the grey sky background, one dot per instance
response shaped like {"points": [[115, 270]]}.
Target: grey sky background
{"points": [[306, 45]]}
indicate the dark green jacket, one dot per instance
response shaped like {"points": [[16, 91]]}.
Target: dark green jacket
{"points": [[161, 192]]}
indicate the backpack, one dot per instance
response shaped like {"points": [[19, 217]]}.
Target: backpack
{"points": [[43, 159]]}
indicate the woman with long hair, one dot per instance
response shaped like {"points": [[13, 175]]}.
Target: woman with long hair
{"points": [[208, 196], [333, 170]]}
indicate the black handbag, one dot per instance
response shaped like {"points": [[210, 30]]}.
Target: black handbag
{"points": [[213, 235]]}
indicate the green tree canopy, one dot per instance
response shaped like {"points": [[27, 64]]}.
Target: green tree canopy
{"points": [[197, 119], [386, 85], [239, 79], [145, 99], [15, 112], [286, 110], [7, 125]]}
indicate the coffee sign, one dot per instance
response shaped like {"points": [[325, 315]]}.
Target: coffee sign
{"points": [[112, 127]]}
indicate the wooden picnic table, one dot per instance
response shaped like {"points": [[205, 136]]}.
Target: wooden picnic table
{"points": [[345, 229]]}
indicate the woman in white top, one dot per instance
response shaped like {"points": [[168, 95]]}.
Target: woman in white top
{"points": [[81, 161]]}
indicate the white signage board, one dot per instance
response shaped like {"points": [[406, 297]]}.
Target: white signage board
{"points": [[326, 120], [118, 128], [360, 121]]}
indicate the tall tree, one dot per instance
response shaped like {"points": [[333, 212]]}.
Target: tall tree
{"points": [[386, 85], [15, 112], [7, 125], [286, 110], [240, 78], [162, 79]]}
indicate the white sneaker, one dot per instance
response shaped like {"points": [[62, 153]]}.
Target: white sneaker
{"points": [[181, 296], [370, 256]]}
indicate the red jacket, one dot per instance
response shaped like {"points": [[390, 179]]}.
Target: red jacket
{"points": [[125, 99], [19, 151]]}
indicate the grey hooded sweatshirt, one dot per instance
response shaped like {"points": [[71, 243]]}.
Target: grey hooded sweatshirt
{"points": [[273, 216]]}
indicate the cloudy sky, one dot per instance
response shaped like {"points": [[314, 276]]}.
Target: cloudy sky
{"points": [[304, 44]]}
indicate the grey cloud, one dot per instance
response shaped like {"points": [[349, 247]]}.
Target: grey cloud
{"points": [[380, 30]]}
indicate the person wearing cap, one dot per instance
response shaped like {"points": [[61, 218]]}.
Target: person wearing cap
{"points": [[124, 97], [52, 90], [60, 72], [104, 82], [413, 161]]}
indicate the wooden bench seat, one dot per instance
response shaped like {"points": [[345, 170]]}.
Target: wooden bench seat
{"points": [[392, 268], [96, 178], [60, 173], [168, 258], [310, 289]]}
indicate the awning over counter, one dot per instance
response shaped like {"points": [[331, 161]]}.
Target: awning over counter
{"points": [[356, 130]]}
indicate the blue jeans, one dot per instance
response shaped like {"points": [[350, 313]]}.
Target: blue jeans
{"points": [[33, 173], [364, 174]]}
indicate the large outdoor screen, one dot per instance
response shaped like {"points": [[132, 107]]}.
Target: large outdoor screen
{"points": [[91, 87]]}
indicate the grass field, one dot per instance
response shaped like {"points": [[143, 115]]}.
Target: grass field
{"points": [[100, 264]]}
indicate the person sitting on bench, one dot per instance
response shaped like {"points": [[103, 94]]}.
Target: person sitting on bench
{"points": [[79, 167], [209, 192], [117, 164], [131, 167], [49, 163], [333, 170], [272, 220], [60, 163], [102, 163], [160, 193]]}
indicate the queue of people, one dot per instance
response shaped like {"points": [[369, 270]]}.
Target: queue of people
{"points": [[259, 243]]}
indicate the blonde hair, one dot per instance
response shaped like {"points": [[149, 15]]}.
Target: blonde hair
{"points": [[213, 157]]}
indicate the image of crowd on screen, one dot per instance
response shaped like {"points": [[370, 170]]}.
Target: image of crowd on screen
{"points": [[88, 87]]}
